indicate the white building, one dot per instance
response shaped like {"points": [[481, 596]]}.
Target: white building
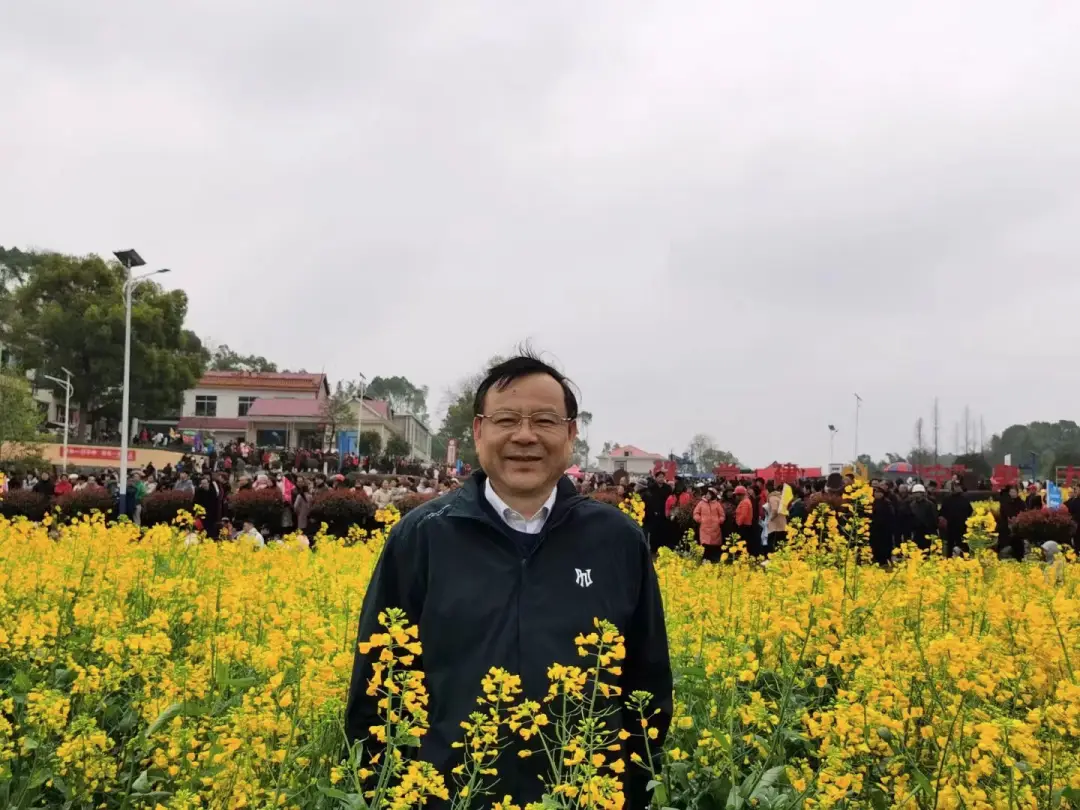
{"points": [[288, 410], [630, 458], [290, 404], [379, 418]]}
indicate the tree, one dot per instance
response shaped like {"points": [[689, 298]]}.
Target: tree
{"points": [[712, 458], [581, 456], [403, 396], [606, 449], [337, 411], [397, 447], [225, 359], [699, 444], [872, 467], [457, 424], [370, 443], [20, 417], [1049, 444], [704, 454], [976, 462], [69, 312]]}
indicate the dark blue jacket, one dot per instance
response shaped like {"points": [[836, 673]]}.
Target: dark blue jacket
{"points": [[481, 600]]}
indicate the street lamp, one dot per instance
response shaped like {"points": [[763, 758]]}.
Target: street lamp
{"points": [[68, 388], [832, 435], [858, 405], [129, 259], [360, 418]]}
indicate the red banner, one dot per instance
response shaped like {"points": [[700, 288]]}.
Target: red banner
{"points": [[938, 473], [669, 468], [103, 453], [727, 471], [1005, 476]]}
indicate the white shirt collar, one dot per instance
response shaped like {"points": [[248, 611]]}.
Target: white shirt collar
{"points": [[515, 520]]}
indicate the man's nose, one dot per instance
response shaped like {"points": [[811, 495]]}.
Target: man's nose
{"points": [[524, 433]]}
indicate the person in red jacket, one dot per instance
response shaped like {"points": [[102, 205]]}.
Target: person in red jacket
{"points": [[744, 519], [709, 515], [680, 497], [63, 485]]}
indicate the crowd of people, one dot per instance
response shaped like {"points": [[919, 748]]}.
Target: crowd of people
{"points": [[299, 476], [718, 509], [904, 511]]}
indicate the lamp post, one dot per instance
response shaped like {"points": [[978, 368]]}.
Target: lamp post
{"points": [[360, 418], [129, 259], [832, 435], [858, 404], [68, 387]]}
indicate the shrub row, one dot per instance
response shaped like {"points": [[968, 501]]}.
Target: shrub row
{"points": [[35, 506]]}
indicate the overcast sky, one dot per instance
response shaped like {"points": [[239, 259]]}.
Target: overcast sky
{"points": [[717, 217]]}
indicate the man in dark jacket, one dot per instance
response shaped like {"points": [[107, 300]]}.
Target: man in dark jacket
{"points": [[956, 509], [654, 499], [506, 572], [924, 517]]}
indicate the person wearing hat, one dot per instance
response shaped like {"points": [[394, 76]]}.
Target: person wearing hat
{"points": [[709, 515]]}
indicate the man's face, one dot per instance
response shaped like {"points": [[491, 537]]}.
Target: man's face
{"points": [[528, 458], [661, 479]]}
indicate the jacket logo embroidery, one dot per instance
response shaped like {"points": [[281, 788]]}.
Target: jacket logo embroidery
{"points": [[584, 578]]}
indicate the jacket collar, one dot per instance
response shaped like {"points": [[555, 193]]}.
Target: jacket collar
{"points": [[468, 502]]}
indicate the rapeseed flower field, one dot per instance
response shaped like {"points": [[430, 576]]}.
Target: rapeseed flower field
{"points": [[146, 671]]}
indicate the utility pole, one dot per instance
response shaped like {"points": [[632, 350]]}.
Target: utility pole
{"points": [[936, 425], [982, 434], [919, 446], [967, 429], [956, 438], [858, 404]]}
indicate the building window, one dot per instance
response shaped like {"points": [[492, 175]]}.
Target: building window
{"points": [[245, 405], [205, 406]]}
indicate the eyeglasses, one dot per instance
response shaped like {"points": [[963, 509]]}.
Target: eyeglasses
{"points": [[510, 420]]}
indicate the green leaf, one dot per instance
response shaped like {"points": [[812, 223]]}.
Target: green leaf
{"points": [[171, 711], [242, 683], [659, 791], [21, 683], [128, 721], [62, 786], [30, 744], [142, 783], [768, 779], [922, 782], [39, 778], [878, 799], [330, 792]]}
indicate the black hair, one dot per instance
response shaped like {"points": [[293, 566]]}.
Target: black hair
{"points": [[525, 364]]}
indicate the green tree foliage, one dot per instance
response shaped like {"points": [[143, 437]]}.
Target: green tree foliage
{"points": [[69, 311], [872, 467], [225, 359], [397, 447], [370, 443], [457, 424], [976, 462], [403, 396], [580, 454], [20, 418], [704, 453], [1053, 444]]}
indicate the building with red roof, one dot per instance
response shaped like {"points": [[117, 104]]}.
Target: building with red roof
{"points": [[630, 458]]}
